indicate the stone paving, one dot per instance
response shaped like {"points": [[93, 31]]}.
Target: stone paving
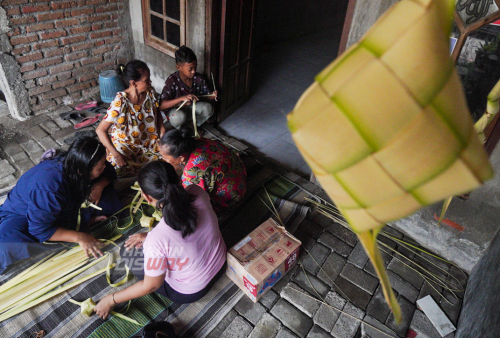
{"points": [[334, 268]]}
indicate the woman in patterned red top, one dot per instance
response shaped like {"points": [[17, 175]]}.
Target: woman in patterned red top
{"points": [[208, 164], [132, 126]]}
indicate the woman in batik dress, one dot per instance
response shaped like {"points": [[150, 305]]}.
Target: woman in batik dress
{"points": [[132, 125]]}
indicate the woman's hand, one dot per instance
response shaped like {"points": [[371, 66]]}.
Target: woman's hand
{"points": [[89, 244], [104, 307], [214, 95], [120, 160], [135, 241]]}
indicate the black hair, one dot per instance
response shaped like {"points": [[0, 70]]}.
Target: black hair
{"points": [[132, 71], [159, 180], [184, 55], [81, 157], [178, 142]]}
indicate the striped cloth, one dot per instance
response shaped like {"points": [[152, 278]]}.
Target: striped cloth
{"points": [[59, 318]]}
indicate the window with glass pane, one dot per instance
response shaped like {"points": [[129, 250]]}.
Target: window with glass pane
{"points": [[164, 24]]}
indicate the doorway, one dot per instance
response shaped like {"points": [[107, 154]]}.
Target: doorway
{"points": [[292, 42]]}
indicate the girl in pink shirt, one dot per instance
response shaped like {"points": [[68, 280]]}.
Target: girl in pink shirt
{"points": [[184, 254]]}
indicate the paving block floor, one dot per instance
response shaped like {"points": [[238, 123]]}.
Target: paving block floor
{"points": [[333, 291]]}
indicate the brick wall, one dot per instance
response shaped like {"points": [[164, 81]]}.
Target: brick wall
{"points": [[62, 46]]}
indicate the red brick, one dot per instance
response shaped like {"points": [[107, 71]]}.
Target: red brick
{"points": [[21, 40], [40, 27], [39, 90], [96, 27], [67, 23], [99, 43], [102, 50], [73, 39], [20, 50], [47, 80], [50, 16], [82, 46], [87, 77], [64, 76], [108, 8], [43, 105], [115, 39], [62, 84], [88, 61], [13, 10], [83, 70], [35, 74], [30, 57], [56, 52], [76, 56], [13, 2], [52, 35], [96, 18], [96, 2], [46, 44], [61, 68], [117, 31], [22, 20], [105, 65], [81, 29], [85, 11], [98, 35], [27, 68], [78, 86], [48, 62], [54, 93], [37, 8], [14, 32], [64, 4], [111, 24]]}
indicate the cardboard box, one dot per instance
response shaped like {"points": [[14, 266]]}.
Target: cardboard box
{"points": [[262, 258]]}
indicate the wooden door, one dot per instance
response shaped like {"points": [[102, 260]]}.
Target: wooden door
{"points": [[231, 52]]}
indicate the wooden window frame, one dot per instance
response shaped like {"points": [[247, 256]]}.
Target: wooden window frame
{"points": [[159, 44]]}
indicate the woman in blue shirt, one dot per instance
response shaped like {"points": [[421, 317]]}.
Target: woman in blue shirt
{"points": [[44, 204]]}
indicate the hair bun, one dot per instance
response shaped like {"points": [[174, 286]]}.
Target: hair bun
{"points": [[186, 132], [120, 69]]}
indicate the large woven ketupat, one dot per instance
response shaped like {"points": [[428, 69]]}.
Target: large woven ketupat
{"points": [[385, 128]]}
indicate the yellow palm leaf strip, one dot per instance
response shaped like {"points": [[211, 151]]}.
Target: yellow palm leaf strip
{"points": [[54, 293], [369, 241], [87, 308], [108, 274], [196, 135], [55, 271], [138, 204], [183, 103], [19, 277], [492, 107], [131, 214], [444, 208], [23, 294]]}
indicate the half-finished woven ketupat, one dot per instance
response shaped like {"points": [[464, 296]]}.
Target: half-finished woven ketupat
{"points": [[385, 128]]}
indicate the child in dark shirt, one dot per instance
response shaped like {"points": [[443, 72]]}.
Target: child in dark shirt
{"points": [[186, 85]]}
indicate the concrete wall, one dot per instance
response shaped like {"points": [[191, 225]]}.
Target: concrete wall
{"points": [[366, 13], [160, 64]]}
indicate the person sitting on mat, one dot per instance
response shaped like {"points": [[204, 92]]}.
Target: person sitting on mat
{"points": [[45, 203], [184, 255], [182, 88], [132, 125], [209, 164]]}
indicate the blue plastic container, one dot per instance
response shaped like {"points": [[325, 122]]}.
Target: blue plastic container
{"points": [[110, 83]]}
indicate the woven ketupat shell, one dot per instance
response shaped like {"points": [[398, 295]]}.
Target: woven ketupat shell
{"points": [[385, 128]]}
